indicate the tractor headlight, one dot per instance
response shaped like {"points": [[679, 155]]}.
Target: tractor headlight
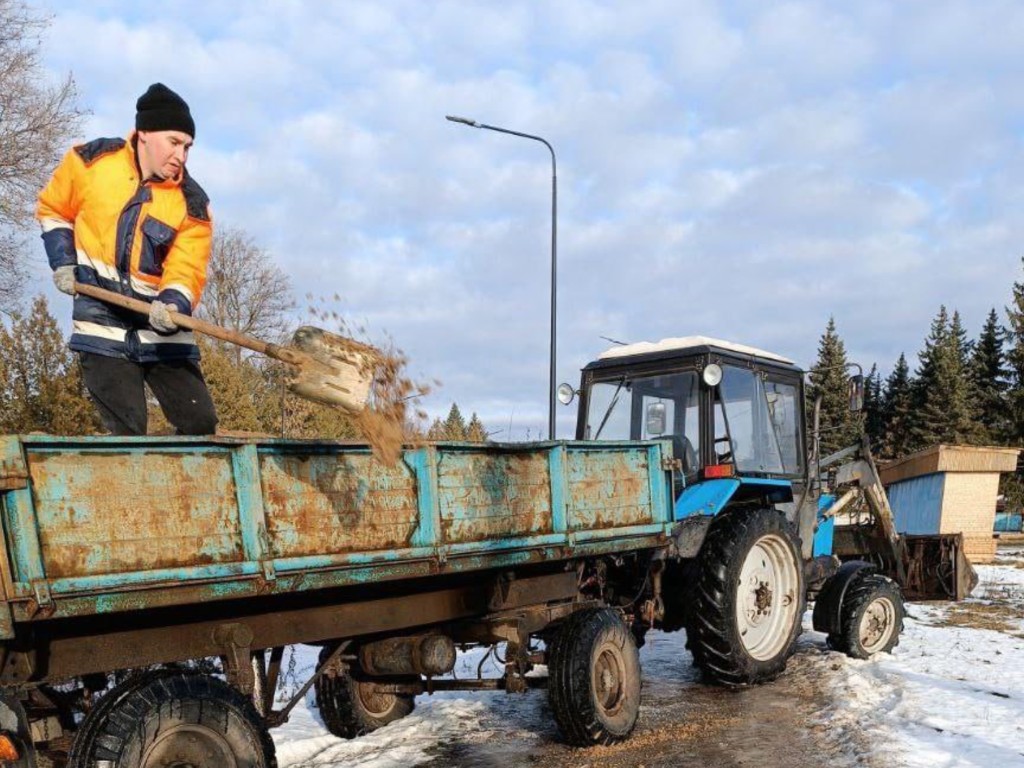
{"points": [[712, 374]]}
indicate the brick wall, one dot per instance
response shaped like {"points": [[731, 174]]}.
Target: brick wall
{"points": [[969, 505]]}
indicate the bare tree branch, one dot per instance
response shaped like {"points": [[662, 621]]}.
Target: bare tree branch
{"points": [[37, 121], [245, 290]]}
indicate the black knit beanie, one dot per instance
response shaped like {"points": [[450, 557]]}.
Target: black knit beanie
{"points": [[161, 109]]}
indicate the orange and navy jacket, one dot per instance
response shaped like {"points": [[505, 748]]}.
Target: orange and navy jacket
{"points": [[149, 239]]}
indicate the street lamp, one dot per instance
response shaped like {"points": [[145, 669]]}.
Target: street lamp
{"points": [[554, 253]]}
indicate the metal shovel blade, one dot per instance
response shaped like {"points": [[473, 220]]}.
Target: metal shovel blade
{"points": [[337, 371]]}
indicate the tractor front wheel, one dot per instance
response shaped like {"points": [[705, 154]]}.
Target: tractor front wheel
{"points": [[870, 619]]}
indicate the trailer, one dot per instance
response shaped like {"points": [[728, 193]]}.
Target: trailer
{"points": [[150, 586]]}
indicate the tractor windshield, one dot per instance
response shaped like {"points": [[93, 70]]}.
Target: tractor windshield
{"points": [[757, 423], [645, 407]]}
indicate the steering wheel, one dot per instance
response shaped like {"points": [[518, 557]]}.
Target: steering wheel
{"points": [[726, 456]]}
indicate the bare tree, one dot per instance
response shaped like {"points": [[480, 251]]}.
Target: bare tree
{"points": [[245, 290], [36, 122]]}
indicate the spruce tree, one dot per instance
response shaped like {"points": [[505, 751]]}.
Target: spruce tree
{"points": [[476, 432], [41, 387], [989, 375], [943, 394], [1015, 363], [830, 379], [925, 424], [436, 431], [454, 424], [897, 411], [234, 385], [873, 416]]}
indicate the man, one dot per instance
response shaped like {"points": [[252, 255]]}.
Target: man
{"points": [[125, 215]]}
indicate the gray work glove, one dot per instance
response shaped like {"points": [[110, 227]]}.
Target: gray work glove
{"points": [[160, 317], [64, 279]]}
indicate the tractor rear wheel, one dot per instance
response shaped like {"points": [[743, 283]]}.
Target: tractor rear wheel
{"points": [[870, 619], [749, 600]]}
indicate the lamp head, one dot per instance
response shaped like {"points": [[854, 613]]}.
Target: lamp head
{"points": [[463, 120]]}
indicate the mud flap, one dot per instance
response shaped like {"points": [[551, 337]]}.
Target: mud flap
{"points": [[829, 604]]}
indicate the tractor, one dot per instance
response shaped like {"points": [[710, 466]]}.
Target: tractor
{"points": [[757, 512]]}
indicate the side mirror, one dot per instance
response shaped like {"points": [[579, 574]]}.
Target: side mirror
{"points": [[565, 393], [856, 393], [656, 419]]}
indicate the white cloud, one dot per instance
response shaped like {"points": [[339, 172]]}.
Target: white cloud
{"points": [[737, 169]]}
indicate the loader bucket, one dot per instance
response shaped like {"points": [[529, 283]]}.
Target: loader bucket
{"points": [[937, 568], [934, 565]]}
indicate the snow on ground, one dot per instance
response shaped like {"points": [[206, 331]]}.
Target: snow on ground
{"points": [[469, 717], [951, 695]]}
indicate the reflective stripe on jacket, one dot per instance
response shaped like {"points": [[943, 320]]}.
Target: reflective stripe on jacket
{"points": [[149, 240]]}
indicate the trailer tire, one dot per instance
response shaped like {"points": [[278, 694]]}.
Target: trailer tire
{"points": [[178, 719], [349, 709], [871, 617], [88, 729], [594, 678], [750, 597]]}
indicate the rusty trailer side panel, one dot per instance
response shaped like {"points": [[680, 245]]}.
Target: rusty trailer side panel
{"points": [[103, 524]]}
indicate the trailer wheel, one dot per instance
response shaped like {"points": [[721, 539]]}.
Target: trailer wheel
{"points": [[871, 617], [177, 719], [750, 598], [89, 728], [351, 708], [594, 678]]}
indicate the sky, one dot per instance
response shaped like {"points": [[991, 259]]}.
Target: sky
{"points": [[742, 170]]}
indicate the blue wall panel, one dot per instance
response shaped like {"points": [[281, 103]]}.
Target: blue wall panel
{"points": [[916, 503]]}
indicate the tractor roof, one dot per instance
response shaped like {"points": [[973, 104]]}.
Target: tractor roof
{"points": [[685, 345]]}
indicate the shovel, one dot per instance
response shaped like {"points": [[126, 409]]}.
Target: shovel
{"points": [[327, 368]]}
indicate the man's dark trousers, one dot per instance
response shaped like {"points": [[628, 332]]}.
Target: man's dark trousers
{"points": [[116, 386]]}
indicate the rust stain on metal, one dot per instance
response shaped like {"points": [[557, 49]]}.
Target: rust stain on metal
{"points": [[333, 504], [483, 495], [121, 512], [608, 490]]}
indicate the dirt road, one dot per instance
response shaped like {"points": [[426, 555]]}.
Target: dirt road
{"points": [[683, 722]]}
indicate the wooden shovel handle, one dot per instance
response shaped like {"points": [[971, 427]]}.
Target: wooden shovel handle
{"points": [[195, 324]]}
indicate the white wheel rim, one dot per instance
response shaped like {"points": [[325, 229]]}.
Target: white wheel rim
{"points": [[767, 603], [877, 624]]}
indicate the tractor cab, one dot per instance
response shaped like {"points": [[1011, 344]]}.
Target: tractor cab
{"points": [[730, 411]]}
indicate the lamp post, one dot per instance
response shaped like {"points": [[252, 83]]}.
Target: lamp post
{"points": [[554, 253]]}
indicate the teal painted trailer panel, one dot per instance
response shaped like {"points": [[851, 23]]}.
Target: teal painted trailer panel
{"points": [[483, 495], [101, 512], [111, 524], [336, 502], [608, 489]]}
